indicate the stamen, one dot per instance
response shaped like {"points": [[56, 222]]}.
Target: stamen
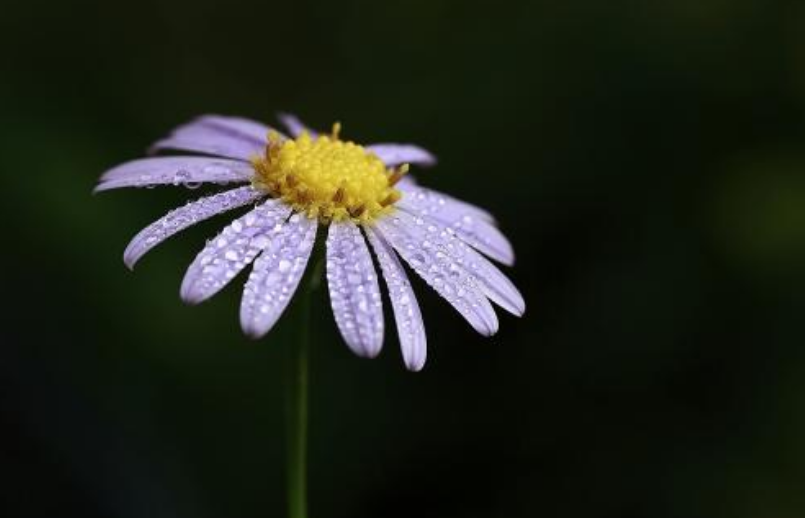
{"points": [[303, 196], [391, 199], [397, 174], [274, 137], [336, 130], [357, 211]]}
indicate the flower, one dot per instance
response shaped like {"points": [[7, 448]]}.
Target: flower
{"points": [[295, 183]]}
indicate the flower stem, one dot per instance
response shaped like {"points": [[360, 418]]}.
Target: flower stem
{"points": [[297, 387]]}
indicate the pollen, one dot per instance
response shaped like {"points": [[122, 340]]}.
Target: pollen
{"points": [[327, 178]]}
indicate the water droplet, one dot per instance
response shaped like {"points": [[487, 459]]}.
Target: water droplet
{"points": [[180, 177], [260, 242]]}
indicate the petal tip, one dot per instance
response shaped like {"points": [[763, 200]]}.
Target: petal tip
{"points": [[489, 328], [251, 332], [370, 353], [130, 257], [129, 262], [415, 365], [190, 296]]}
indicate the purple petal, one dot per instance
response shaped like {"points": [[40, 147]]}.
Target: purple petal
{"points": [[232, 250], [179, 219], [396, 154], [479, 233], [407, 183], [276, 275], [175, 171], [294, 125], [432, 203], [354, 291], [432, 262], [492, 281], [230, 137], [247, 129], [410, 326]]}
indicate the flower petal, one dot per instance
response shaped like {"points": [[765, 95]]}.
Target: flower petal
{"points": [[179, 219], [175, 171], [492, 281], [276, 275], [354, 291], [294, 125], [230, 137], [247, 129], [410, 326], [396, 154], [232, 250], [432, 202], [436, 267], [479, 233]]}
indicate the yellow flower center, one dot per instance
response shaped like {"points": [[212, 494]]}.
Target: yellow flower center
{"points": [[327, 178]]}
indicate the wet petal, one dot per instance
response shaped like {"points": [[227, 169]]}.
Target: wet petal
{"points": [[294, 125], [276, 275], [430, 202], [179, 219], [232, 250], [354, 291], [230, 137], [479, 233], [175, 171], [240, 127], [396, 154], [410, 326], [442, 273], [492, 281]]}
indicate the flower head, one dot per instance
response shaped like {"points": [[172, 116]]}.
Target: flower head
{"points": [[294, 184]]}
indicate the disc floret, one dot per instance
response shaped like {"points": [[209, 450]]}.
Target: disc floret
{"points": [[327, 178]]}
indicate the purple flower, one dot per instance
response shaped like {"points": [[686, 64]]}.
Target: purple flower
{"points": [[292, 184]]}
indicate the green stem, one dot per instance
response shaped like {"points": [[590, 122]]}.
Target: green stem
{"points": [[297, 387]]}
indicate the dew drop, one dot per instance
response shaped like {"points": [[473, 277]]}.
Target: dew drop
{"points": [[181, 177]]}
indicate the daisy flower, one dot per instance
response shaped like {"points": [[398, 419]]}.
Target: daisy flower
{"points": [[295, 183]]}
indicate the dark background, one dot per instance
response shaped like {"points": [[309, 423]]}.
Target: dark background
{"points": [[646, 158]]}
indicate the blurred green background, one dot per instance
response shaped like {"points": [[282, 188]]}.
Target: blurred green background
{"points": [[647, 159]]}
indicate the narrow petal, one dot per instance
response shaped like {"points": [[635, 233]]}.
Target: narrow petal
{"points": [[230, 137], [185, 171], [276, 275], [396, 154], [436, 267], [430, 202], [179, 219], [478, 233], [232, 250], [492, 281], [410, 326], [294, 125], [354, 290], [247, 129]]}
